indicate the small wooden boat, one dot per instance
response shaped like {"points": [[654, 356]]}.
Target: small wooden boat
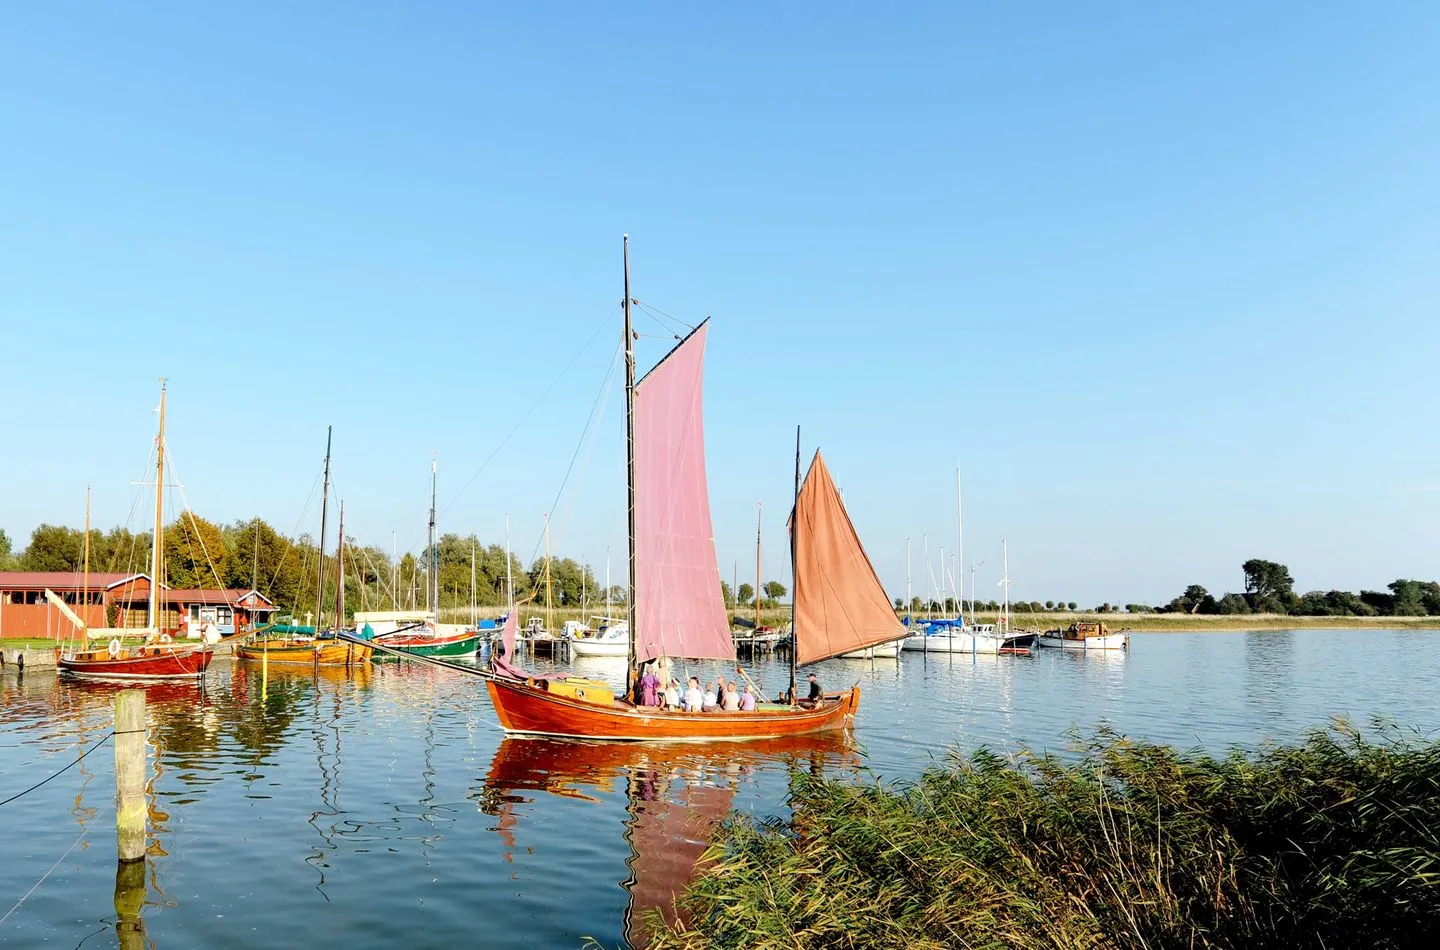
{"points": [[306, 651], [157, 661], [1085, 635], [161, 659], [426, 641], [675, 607]]}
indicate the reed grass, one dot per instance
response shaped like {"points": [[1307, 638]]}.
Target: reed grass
{"points": [[1329, 843]]}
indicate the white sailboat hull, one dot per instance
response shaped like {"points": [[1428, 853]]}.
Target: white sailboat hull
{"points": [[955, 643], [1110, 641], [880, 651], [591, 647]]}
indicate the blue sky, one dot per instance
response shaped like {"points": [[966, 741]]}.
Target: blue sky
{"points": [[1161, 281]]}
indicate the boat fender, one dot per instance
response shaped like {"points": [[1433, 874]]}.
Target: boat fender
{"points": [[114, 647], [164, 638]]}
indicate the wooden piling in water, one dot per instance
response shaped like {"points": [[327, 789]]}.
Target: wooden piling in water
{"points": [[130, 774]]}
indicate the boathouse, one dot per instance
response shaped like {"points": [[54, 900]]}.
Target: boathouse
{"points": [[118, 600]]}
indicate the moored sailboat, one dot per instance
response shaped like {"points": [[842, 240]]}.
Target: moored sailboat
{"points": [[675, 608], [159, 658]]}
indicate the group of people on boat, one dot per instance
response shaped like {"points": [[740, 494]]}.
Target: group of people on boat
{"points": [[655, 691]]}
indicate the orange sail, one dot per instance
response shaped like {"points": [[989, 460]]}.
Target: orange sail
{"points": [[840, 604]]}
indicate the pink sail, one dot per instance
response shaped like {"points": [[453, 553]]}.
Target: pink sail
{"points": [[678, 608]]}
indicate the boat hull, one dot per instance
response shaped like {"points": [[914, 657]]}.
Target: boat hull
{"points": [[957, 643], [324, 653], [1110, 641], [464, 645], [880, 651], [527, 709], [138, 663], [590, 647]]}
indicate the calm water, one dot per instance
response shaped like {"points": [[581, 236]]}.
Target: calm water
{"points": [[382, 808]]}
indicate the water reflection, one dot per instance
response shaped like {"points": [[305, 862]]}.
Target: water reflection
{"points": [[676, 795]]}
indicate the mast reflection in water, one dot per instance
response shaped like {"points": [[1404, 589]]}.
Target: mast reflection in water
{"points": [[676, 796]]}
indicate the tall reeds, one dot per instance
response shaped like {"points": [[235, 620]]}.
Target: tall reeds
{"points": [[1331, 843]]}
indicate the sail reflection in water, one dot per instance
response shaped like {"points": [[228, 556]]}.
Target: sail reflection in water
{"points": [[676, 796]]}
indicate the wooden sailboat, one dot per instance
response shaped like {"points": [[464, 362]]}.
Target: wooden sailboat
{"points": [[675, 607], [159, 658], [309, 648]]}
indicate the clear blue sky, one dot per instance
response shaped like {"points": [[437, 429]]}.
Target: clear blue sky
{"points": [[1162, 281]]}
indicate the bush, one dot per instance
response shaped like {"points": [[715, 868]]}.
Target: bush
{"points": [[1329, 843]]}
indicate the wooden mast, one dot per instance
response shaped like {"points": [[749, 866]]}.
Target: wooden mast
{"points": [[794, 569], [759, 511], [340, 571], [432, 587], [85, 602], [630, 614], [156, 542], [324, 501]]}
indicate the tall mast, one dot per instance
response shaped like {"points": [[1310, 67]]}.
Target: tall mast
{"points": [[629, 476], [324, 502], [549, 587], [340, 571], [432, 591], [509, 575], [759, 510], [959, 548], [474, 617], [157, 542], [1005, 583], [794, 569], [85, 604], [909, 614]]}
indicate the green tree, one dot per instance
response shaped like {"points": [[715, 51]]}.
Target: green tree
{"points": [[775, 590], [1409, 598], [1232, 604], [195, 553], [745, 594], [1049, 605], [54, 548], [7, 554], [727, 594], [1070, 606], [1268, 580], [266, 560]]}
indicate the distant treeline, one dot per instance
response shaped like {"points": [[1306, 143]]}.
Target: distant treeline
{"points": [[1269, 589], [201, 554]]}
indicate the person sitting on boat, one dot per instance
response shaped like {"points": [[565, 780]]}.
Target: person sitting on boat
{"points": [[816, 693], [710, 703], [672, 694], [747, 700], [693, 696], [649, 687], [720, 685], [730, 701]]}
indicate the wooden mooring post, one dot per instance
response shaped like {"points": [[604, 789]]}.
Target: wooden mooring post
{"points": [[130, 774]]}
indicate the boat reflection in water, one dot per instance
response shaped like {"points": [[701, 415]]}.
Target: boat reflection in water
{"points": [[676, 796]]}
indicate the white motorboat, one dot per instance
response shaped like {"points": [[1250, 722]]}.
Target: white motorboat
{"points": [[1086, 635], [610, 639], [880, 651]]}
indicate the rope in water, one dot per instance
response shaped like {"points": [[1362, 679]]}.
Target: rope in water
{"points": [[56, 775]]}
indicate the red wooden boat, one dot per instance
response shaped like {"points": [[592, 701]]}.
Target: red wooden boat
{"points": [[675, 607], [162, 661], [159, 660]]}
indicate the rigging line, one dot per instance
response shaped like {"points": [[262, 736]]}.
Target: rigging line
{"points": [[186, 509], [521, 421], [44, 876], [289, 542], [654, 311], [57, 775], [587, 442], [595, 408]]}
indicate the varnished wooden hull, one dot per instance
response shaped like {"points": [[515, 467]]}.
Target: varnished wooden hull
{"points": [[164, 662], [324, 652], [526, 709]]}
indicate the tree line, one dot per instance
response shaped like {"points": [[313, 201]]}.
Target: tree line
{"points": [[1270, 589]]}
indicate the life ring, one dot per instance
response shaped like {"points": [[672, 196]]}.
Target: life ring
{"points": [[114, 648], [164, 638]]}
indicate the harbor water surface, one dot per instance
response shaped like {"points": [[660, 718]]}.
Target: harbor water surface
{"points": [[381, 807]]}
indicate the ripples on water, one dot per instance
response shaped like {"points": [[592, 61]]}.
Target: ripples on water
{"points": [[381, 807]]}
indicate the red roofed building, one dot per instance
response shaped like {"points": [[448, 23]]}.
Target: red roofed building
{"points": [[118, 600]]}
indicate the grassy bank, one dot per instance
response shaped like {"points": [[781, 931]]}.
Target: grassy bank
{"points": [[1330, 843]]}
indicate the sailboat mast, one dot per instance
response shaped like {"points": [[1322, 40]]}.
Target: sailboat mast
{"points": [[794, 569], [85, 604], [324, 510], [909, 614], [157, 542], [960, 548], [432, 592], [474, 617], [340, 572], [630, 477], [759, 511], [1005, 583]]}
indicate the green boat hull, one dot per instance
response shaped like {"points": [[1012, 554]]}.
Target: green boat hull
{"points": [[462, 647]]}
